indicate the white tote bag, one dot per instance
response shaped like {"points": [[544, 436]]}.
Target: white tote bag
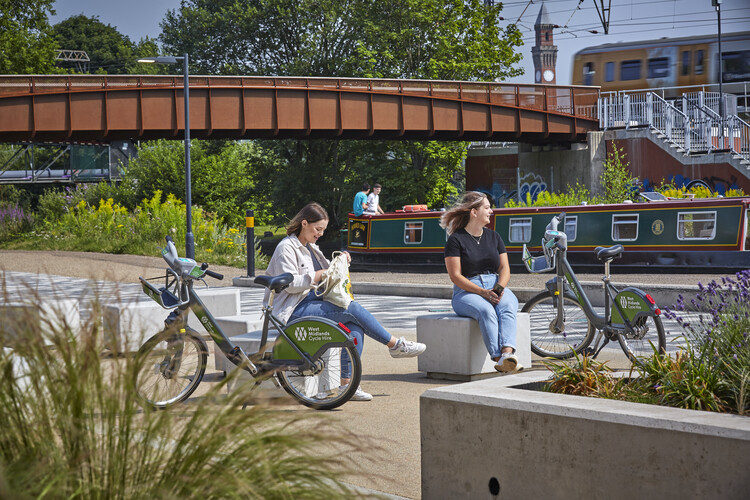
{"points": [[335, 286]]}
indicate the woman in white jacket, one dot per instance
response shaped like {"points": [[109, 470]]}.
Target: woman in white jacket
{"points": [[298, 255]]}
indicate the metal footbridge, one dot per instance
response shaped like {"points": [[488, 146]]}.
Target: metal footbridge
{"points": [[71, 108]]}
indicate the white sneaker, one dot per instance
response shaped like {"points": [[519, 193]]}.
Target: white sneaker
{"points": [[407, 349], [508, 363], [359, 395]]}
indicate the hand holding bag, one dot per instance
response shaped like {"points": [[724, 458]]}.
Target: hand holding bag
{"points": [[335, 286]]}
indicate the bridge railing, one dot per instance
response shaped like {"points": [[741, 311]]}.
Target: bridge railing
{"points": [[569, 100]]}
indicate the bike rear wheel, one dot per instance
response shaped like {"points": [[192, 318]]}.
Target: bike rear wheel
{"points": [[320, 390], [577, 332], [648, 332], [170, 367]]}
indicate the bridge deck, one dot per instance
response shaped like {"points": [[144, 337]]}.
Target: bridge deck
{"points": [[108, 107]]}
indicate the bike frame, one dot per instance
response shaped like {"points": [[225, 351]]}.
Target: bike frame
{"points": [[190, 301]]}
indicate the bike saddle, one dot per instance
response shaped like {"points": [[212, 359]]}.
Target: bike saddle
{"points": [[275, 283], [608, 253]]}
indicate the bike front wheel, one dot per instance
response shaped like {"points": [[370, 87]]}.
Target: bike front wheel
{"points": [[547, 340], [647, 335], [321, 389], [170, 366]]}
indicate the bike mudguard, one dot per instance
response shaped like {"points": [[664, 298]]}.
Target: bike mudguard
{"points": [[633, 303], [310, 334]]}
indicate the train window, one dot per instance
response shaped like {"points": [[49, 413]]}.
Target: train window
{"points": [[658, 67], [736, 66], [630, 70], [609, 72], [412, 233], [588, 73], [571, 227], [696, 225], [699, 62], [520, 230], [685, 63], [625, 227]]}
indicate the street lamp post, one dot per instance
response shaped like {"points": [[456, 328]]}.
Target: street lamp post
{"points": [[189, 239], [717, 4]]}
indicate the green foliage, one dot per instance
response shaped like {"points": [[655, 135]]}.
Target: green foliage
{"points": [[225, 176], [109, 50], [619, 184], [574, 195], [13, 221], [26, 43], [72, 223], [72, 428]]}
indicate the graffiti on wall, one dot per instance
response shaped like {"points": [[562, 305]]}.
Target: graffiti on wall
{"points": [[716, 184], [532, 184]]}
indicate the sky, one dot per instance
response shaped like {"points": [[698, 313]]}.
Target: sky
{"points": [[630, 20]]}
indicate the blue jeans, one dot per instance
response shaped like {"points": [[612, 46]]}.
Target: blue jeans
{"points": [[355, 317], [497, 323]]}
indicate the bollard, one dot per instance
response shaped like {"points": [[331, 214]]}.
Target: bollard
{"points": [[250, 246]]}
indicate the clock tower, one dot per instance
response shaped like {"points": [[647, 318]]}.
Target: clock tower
{"points": [[544, 52]]}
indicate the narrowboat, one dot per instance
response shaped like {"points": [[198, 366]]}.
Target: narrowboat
{"points": [[678, 235]]}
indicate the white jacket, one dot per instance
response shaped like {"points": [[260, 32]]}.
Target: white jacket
{"points": [[293, 257]]}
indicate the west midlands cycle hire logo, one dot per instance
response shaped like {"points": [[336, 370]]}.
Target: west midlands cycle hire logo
{"points": [[311, 333]]}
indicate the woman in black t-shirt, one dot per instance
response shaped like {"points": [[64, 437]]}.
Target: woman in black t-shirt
{"points": [[477, 264]]}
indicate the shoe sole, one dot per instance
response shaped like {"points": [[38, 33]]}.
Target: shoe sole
{"points": [[508, 366], [407, 354]]}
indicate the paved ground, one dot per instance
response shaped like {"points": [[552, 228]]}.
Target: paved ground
{"points": [[391, 419]]}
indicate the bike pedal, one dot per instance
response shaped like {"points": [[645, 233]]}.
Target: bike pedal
{"points": [[589, 351]]}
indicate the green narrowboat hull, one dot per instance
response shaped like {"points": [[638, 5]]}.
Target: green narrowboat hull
{"points": [[675, 236]]}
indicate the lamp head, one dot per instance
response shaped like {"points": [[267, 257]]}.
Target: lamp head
{"points": [[161, 60]]}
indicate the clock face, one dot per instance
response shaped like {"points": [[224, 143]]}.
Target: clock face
{"points": [[538, 76], [548, 75]]}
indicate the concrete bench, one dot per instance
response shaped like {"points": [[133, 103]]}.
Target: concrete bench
{"points": [[456, 350], [127, 325], [18, 319]]}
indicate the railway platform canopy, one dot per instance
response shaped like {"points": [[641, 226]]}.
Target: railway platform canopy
{"points": [[70, 108]]}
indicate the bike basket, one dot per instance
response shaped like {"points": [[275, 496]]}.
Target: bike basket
{"points": [[539, 264], [161, 296]]}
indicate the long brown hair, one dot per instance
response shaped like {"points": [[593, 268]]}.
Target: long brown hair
{"points": [[458, 216], [312, 213]]}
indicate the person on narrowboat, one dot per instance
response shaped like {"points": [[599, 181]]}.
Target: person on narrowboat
{"points": [[360, 200], [298, 255], [477, 263]]}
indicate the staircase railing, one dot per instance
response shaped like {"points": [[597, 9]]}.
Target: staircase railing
{"points": [[689, 123]]}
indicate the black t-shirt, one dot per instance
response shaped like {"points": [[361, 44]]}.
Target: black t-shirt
{"points": [[476, 258]]}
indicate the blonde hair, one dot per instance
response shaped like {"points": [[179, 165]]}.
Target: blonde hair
{"points": [[312, 213], [458, 216]]}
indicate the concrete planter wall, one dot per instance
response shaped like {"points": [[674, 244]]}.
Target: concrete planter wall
{"points": [[494, 439]]}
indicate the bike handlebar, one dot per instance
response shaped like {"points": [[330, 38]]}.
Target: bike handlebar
{"points": [[218, 276], [185, 268]]}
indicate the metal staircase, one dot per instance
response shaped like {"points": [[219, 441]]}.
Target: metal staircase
{"points": [[690, 125]]}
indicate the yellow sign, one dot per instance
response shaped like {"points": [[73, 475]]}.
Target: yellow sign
{"points": [[249, 221], [657, 227]]}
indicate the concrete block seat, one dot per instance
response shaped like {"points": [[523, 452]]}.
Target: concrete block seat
{"points": [[456, 350], [17, 318], [127, 325]]}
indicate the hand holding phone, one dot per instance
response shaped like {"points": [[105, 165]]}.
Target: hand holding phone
{"points": [[498, 289]]}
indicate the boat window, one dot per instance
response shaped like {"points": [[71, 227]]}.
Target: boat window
{"points": [[696, 225], [609, 72], [413, 233], [658, 67], [630, 70], [699, 62], [685, 63], [571, 226], [625, 227], [520, 230]]}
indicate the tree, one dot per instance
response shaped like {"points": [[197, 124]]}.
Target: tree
{"points": [[436, 39], [619, 184], [26, 43]]}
